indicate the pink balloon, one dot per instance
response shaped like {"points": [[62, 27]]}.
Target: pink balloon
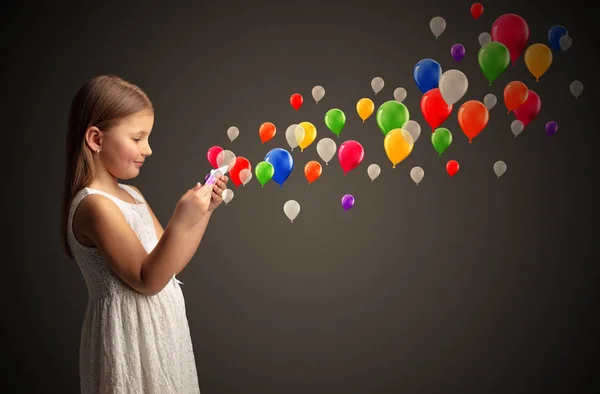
{"points": [[527, 111], [212, 154], [351, 154], [512, 31]]}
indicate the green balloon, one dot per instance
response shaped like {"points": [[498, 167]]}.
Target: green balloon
{"points": [[392, 115], [441, 140], [494, 59], [335, 120], [264, 172]]}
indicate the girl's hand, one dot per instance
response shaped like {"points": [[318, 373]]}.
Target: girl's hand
{"points": [[193, 206], [217, 192]]}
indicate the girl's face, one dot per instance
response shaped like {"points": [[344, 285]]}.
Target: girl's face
{"points": [[126, 146]]}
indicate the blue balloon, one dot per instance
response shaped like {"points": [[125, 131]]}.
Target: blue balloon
{"points": [[427, 74], [282, 162], [554, 35]]}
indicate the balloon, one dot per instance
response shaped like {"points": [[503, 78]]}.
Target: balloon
{"points": [[473, 116], [335, 119], [453, 86], [373, 171], [538, 59], [490, 101], [377, 84], [512, 31], [529, 109], [318, 92], [226, 158], [555, 33], [551, 128], [282, 162], [312, 171], [264, 172], [245, 176], [452, 167], [233, 132], [326, 148], [241, 163], [434, 108], [400, 94], [294, 134], [347, 201], [296, 101], [417, 174], [441, 140], [565, 43], [227, 196], [350, 154], [291, 208], [365, 108], [517, 127], [310, 133], [267, 131], [413, 128], [212, 154], [493, 59], [499, 168], [398, 144], [391, 115], [515, 94], [484, 38], [458, 52], [576, 88], [437, 25], [427, 74], [476, 10]]}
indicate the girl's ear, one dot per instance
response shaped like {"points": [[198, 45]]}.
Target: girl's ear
{"points": [[93, 139]]}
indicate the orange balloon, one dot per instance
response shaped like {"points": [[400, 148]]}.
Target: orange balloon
{"points": [[473, 116], [312, 171], [267, 131], [515, 94]]}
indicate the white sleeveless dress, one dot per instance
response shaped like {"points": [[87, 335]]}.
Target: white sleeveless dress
{"points": [[131, 342]]}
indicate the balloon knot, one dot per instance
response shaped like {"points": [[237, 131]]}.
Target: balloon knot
{"points": [[470, 141]]}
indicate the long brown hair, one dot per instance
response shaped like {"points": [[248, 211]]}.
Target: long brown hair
{"points": [[102, 101]]}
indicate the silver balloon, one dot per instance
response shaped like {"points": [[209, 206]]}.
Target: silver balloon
{"points": [[417, 174], [373, 171], [400, 94], [499, 168], [517, 127], [377, 84], [227, 195], [233, 132], [453, 85], [490, 101], [413, 128], [565, 42], [326, 149], [318, 92], [576, 88], [484, 38], [437, 25], [291, 209]]}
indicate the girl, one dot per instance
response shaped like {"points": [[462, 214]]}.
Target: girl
{"points": [[135, 336]]}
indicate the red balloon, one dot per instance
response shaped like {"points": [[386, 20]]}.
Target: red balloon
{"points": [[512, 31], [212, 154], [476, 10], [434, 108], [296, 100], [527, 111], [351, 154], [241, 163], [452, 167]]}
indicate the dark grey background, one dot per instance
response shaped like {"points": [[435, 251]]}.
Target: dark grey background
{"points": [[468, 284]]}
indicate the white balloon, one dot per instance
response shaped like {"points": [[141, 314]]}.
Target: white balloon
{"points": [[453, 85], [499, 168], [517, 127], [437, 25], [227, 195], [373, 171], [399, 94], [318, 92], [413, 128], [326, 149], [565, 42], [576, 88], [490, 101], [290, 136], [484, 38], [245, 176], [377, 84], [299, 133], [417, 174], [233, 133], [226, 158], [291, 208]]}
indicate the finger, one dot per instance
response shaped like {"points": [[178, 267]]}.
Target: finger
{"points": [[217, 198], [224, 178]]}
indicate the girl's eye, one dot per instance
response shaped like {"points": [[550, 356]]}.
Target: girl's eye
{"points": [[137, 139]]}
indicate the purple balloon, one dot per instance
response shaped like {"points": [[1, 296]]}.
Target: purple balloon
{"points": [[551, 128], [458, 52], [347, 201]]}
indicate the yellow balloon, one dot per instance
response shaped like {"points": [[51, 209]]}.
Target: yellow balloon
{"points": [[398, 144], [365, 108], [310, 133], [538, 59]]}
